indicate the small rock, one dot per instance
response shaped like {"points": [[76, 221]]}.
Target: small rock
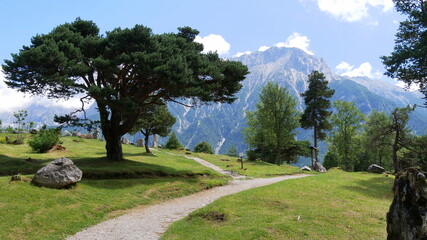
{"points": [[374, 168], [125, 140], [319, 167], [306, 168], [58, 174]]}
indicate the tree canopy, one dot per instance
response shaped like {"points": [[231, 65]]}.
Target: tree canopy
{"points": [[408, 61], [271, 127], [156, 119], [347, 121], [123, 70]]}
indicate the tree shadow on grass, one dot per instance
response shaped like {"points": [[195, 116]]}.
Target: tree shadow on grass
{"points": [[375, 187], [10, 166]]}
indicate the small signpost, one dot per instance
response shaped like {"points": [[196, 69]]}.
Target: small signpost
{"points": [[241, 160]]}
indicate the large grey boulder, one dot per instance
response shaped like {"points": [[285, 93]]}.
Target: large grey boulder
{"points": [[125, 140], [58, 174], [374, 168], [319, 167], [139, 142], [407, 218]]}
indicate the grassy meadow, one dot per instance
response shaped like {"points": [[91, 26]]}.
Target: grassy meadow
{"points": [[89, 156], [108, 189], [251, 169], [336, 205]]}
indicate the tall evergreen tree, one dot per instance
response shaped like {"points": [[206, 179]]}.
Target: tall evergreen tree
{"points": [[317, 102], [123, 70], [271, 127], [408, 61], [155, 120]]}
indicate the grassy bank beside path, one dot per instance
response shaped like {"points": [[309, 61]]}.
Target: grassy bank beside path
{"points": [[336, 205]]}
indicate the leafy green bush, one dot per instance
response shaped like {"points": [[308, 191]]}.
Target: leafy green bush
{"points": [[173, 142], [330, 160], [203, 147], [232, 152], [45, 140]]}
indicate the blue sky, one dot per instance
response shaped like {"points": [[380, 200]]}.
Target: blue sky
{"points": [[350, 35]]}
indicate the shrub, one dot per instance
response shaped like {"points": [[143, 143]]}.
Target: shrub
{"points": [[330, 160], [203, 147], [232, 152], [45, 140], [173, 142]]}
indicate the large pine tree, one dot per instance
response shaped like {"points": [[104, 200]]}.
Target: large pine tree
{"points": [[317, 102], [123, 70]]}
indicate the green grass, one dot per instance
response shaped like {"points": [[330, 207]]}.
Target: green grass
{"points": [[29, 212], [335, 205], [253, 169], [89, 156]]}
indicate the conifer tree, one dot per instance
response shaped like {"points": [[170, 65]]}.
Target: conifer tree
{"points": [[123, 71], [317, 102], [155, 120], [173, 142]]}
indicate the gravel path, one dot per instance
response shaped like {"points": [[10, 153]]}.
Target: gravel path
{"points": [[150, 222]]}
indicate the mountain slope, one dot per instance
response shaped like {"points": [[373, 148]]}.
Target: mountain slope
{"points": [[221, 124]]}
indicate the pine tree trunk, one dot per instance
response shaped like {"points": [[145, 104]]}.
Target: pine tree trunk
{"points": [[395, 149], [315, 144], [147, 148], [113, 144], [111, 131]]}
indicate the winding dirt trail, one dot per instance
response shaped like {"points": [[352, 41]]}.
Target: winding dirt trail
{"points": [[150, 222]]}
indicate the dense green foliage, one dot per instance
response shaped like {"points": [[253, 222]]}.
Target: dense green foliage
{"points": [[316, 114], [45, 139], [271, 127], [401, 133], [347, 121], [156, 119], [408, 60], [337, 205], [232, 152], [173, 142], [203, 147], [123, 70], [331, 160]]}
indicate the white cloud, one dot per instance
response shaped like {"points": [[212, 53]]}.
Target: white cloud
{"points": [[213, 43], [413, 87], [11, 100], [352, 10], [296, 40], [239, 54], [263, 48], [364, 70]]}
